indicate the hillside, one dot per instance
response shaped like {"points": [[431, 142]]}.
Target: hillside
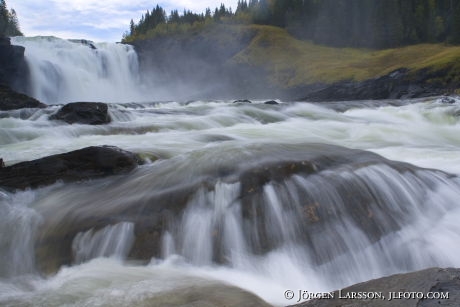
{"points": [[260, 61], [292, 62]]}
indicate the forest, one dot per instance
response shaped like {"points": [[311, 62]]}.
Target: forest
{"points": [[375, 24], [9, 25]]}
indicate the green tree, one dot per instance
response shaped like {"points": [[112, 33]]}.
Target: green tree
{"points": [[3, 18], [455, 36], [9, 25], [13, 24], [132, 28]]}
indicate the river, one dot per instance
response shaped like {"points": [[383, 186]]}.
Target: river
{"points": [[214, 239]]}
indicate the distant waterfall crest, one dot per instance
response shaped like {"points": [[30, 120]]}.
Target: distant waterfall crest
{"points": [[63, 71]]}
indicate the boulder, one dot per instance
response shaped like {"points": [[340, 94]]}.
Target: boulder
{"points": [[13, 67], [272, 102], [392, 288], [88, 113], [11, 100], [448, 99], [83, 164]]}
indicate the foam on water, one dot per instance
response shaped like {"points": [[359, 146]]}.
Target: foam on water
{"points": [[423, 205]]}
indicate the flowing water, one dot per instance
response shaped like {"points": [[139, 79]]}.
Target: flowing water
{"points": [[297, 230], [64, 71]]}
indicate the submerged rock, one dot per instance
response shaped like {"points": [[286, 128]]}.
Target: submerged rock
{"points": [[83, 164], [89, 113], [314, 199], [242, 101], [218, 295], [272, 102], [11, 100], [436, 280], [448, 99]]}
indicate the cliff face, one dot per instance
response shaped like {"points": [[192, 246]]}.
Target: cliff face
{"points": [[13, 68]]}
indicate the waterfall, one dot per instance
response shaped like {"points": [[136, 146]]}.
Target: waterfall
{"points": [[63, 71], [343, 226], [18, 226], [111, 241]]}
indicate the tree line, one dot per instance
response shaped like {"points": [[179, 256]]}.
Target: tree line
{"points": [[340, 23], [9, 25]]}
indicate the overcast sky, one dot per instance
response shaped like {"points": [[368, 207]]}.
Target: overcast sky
{"points": [[98, 20]]}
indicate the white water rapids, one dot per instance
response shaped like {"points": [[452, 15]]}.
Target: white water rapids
{"points": [[417, 212]]}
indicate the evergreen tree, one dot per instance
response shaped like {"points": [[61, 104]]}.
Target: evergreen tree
{"points": [[132, 28], [3, 18], [9, 25], [455, 36], [344, 23]]}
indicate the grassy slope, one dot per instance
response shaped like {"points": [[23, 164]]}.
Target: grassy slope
{"points": [[291, 62]]}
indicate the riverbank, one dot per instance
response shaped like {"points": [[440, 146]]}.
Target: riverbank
{"points": [[254, 61]]}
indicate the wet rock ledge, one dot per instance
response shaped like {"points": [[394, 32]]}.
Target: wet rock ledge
{"points": [[87, 163], [396, 288], [88, 113], [11, 100]]}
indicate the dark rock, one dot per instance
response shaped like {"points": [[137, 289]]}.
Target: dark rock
{"points": [[242, 101], [83, 164], [85, 42], [13, 67], [445, 281], [272, 102], [254, 179], [11, 100], [448, 100], [89, 113], [396, 85]]}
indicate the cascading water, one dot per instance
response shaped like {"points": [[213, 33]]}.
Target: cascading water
{"points": [[111, 241], [63, 71], [248, 195], [340, 226], [18, 224]]}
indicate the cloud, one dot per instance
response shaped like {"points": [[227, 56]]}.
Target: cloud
{"points": [[98, 20]]}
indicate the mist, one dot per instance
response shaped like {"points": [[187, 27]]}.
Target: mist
{"points": [[199, 66]]}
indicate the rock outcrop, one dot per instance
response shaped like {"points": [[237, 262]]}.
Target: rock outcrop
{"points": [[13, 67], [83, 164], [88, 113], [11, 100], [397, 85], [154, 199], [396, 289]]}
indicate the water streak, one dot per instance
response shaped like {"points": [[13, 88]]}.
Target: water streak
{"points": [[111, 241]]}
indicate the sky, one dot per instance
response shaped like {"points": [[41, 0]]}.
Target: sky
{"points": [[96, 20]]}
